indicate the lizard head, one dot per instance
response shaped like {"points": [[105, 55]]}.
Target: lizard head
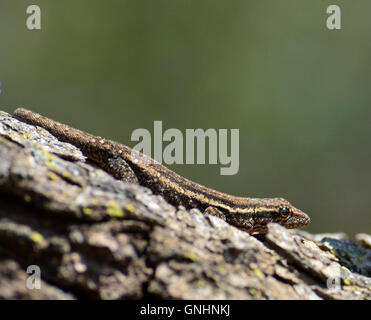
{"points": [[264, 211], [280, 211]]}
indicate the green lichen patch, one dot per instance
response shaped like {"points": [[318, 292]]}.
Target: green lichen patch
{"points": [[114, 210], [36, 237]]}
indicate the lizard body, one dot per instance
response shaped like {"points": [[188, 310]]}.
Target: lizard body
{"points": [[249, 214]]}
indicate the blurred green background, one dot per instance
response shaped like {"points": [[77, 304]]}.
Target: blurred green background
{"points": [[298, 92]]}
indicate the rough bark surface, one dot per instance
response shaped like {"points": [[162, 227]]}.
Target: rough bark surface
{"points": [[96, 237]]}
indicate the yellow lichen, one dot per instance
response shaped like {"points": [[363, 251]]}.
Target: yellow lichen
{"points": [[222, 269], [258, 273], [36, 237], [65, 174], [129, 208], [114, 210], [168, 221], [252, 291], [14, 136], [25, 135], [201, 283], [347, 281], [191, 256], [53, 176], [47, 154], [51, 166], [87, 211]]}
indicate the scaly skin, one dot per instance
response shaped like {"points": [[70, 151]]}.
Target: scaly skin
{"points": [[249, 214]]}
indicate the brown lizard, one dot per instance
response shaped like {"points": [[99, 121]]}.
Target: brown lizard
{"points": [[249, 214]]}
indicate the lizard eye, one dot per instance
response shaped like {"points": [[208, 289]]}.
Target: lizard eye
{"points": [[284, 212]]}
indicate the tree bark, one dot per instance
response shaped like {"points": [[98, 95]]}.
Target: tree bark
{"points": [[92, 236]]}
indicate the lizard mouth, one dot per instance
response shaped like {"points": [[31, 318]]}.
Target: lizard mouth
{"points": [[298, 219]]}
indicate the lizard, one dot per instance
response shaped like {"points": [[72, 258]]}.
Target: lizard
{"points": [[246, 213]]}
